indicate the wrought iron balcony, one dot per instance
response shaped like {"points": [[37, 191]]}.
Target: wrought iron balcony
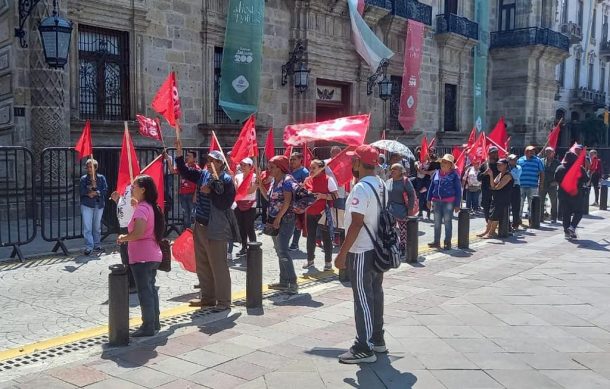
{"points": [[451, 23], [414, 10], [573, 31], [528, 37], [387, 4], [604, 50], [586, 96]]}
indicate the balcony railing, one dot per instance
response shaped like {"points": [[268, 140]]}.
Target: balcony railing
{"points": [[528, 37], [451, 23], [573, 31], [588, 96], [604, 49], [414, 10], [387, 4]]}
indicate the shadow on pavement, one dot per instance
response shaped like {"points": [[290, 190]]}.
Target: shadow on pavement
{"points": [[591, 245], [301, 300]]}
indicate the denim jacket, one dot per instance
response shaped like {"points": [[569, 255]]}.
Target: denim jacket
{"points": [[443, 187], [102, 189]]}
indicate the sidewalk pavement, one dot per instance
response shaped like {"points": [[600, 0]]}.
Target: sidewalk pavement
{"points": [[531, 312]]}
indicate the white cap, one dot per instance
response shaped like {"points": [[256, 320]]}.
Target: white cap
{"points": [[247, 161]]}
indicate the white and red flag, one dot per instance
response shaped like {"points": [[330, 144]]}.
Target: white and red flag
{"points": [[150, 128], [350, 130], [246, 145], [407, 113], [167, 101]]}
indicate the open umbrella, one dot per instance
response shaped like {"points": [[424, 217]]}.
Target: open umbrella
{"points": [[394, 147]]}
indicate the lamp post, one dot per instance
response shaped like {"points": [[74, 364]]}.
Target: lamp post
{"points": [[385, 92], [385, 85], [296, 67], [55, 33]]}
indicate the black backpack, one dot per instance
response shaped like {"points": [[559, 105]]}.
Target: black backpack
{"points": [[386, 242]]}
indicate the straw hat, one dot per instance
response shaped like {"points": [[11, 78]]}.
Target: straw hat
{"points": [[449, 158]]}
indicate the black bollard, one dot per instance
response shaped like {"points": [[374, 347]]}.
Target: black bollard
{"points": [[412, 239], [503, 227], [535, 215], [254, 275], [464, 229], [585, 205], [603, 198], [118, 306]]}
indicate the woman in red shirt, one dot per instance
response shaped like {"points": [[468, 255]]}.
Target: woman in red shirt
{"points": [[325, 190]]}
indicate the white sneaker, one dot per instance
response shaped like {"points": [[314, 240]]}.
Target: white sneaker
{"points": [[359, 357], [229, 256]]}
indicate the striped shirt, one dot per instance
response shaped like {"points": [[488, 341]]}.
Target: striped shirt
{"points": [[530, 171]]}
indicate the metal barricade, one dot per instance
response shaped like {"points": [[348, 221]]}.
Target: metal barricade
{"points": [[17, 199], [60, 174]]}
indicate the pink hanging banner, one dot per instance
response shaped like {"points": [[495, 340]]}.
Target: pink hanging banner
{"points": [[410, 74]]}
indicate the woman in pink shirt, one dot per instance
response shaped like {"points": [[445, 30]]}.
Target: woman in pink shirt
{"points": [[145, 231]]}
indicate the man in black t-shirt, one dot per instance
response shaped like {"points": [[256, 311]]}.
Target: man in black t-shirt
{"points": [[486, 193]]}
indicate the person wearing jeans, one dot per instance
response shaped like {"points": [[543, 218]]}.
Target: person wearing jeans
{"points": [[245, 199], [445, 196], [281, 218], [93, 189], [532, 176], [549, 186]]}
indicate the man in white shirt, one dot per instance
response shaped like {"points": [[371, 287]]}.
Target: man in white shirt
{"points": [[124, 212], [357, 252]]}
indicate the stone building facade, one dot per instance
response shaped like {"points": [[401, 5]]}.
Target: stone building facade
{"points": [[123, 49]]}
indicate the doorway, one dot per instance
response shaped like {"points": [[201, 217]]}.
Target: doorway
{"points": [[332, 102]]}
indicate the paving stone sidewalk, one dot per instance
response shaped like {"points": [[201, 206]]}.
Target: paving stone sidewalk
{"points": [[532, 312]]}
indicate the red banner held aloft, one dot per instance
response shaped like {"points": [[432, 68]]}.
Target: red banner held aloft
{"points": [[554, 136], [269, 145], [129, 167], [570, 180], [167, 100], [498, 135], [423, 150], [149, 128], [410, 75], [341, 166], [246, 145], [155, 171], [350, 130], [84, 145]]}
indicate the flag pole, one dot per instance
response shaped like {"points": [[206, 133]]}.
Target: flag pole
{"points": [[129, 144], [153, 161], [177, 128], [161, 133], [547, 138]]}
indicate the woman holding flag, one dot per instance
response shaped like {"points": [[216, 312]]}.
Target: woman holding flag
{"points": [[572, 178], [245, 198]]}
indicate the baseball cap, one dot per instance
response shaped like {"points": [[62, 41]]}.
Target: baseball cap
{"points": [[247, 161], [530, 148], [217, 155], [549, 149], [492, 149], [365, 153], [511, 157], [503, 161]]}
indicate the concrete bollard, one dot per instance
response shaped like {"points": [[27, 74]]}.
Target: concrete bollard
{"points": [[603, 198], [254, 275], [534, 209], [412, 239], [118, 306], [503, 227], [464, 229]]}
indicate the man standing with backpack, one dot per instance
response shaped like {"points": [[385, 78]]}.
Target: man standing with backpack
{"points": [[357, 254]]}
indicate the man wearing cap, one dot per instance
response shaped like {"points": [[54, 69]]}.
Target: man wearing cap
{"points": [[532, 176], [549, 186], [357, 254], [215, 195], [515, 193], [486, 193]]}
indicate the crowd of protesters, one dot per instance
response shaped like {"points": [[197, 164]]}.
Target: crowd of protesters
{"points": [[219, 205]]}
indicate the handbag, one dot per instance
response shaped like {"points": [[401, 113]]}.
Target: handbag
{"points": [[269, 230], [166, 255]]}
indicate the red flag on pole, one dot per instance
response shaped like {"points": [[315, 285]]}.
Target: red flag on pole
{"points": [[554, 136], [456, 152], [183, 251], [350, 130], [84, 146], [502, 152], [432, 143], [423, 152], [167, 101], [460, 162], [341, 166], [307, 157], [570, 180], [472, 137], [288, 151], [242, 190], [214, 143], [155, 171], [129, 167], [507, 145], [573, 148], [269, 145], [246, 145], [149, 128], [478, 151], [498, 135]]}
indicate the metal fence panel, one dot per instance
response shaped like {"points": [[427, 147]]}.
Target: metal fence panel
{"points": [[17, 198]]}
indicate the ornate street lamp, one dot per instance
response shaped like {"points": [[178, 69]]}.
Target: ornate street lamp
{"points": [[385, 88], [55, 33], [300, 74]]}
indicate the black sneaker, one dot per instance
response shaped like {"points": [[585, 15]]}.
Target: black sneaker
{"points": [[278, 286], [434, 245], [351, 357], [328, 266], [292, 288], [241, 253], [447, 246], [99, 249], [293, 248], [87, 252]]}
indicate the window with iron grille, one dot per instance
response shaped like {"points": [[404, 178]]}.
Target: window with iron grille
{"points": [[220, 117], [393, 123], [103, 73]]}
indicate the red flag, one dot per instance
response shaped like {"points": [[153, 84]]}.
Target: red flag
{"points": [[478, 151], [423, 152], [472, 137], [129, 167], [84, 146], [155, 171], [573, 148], [167, 100], [288, 151], [570, 180], [432, 143], [350, 130], [507, 145], [554, 136], [498, 135], [341, 166], [456, 152], [246, 145], [214, 144], [242, 190], [502, 152], [183, 251], [460, 162], [307, 157], [149, 128], [269, 145]]}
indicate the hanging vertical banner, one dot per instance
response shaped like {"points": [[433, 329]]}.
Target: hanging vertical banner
{"points": [[480, 65], [410, 75], [242, 57]]}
